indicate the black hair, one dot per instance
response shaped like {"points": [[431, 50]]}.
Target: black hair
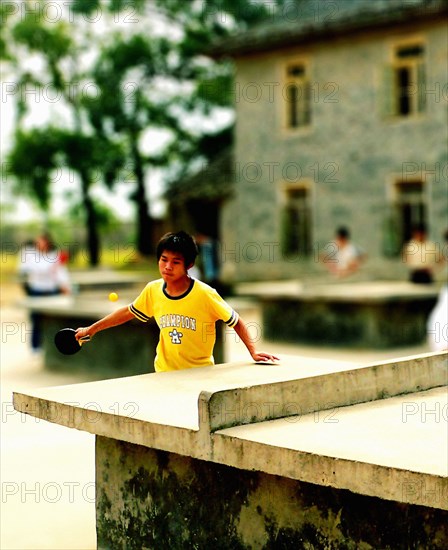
{"points": [[343, 232], [180, 242], [420, 227]]}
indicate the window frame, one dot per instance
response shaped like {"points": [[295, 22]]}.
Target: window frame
{"points": [[417, 68], [398, 236], [286, 81], [303, 250]]}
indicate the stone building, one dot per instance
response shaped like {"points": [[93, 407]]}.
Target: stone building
{"points": [[341, 119]]}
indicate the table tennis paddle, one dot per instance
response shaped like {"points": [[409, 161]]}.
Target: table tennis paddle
{"points": [[66, 342]]}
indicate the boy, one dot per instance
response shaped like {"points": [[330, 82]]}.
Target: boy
{"points": [[344, 258], [185, 310]]}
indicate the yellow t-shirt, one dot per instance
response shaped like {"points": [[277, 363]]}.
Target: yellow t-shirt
{"points": [[186, 322]]}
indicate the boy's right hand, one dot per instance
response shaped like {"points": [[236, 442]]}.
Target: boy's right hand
{"points": [[82, 332]]}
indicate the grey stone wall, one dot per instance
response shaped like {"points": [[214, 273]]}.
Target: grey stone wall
{"points": [[349, 156], [149, 499]]}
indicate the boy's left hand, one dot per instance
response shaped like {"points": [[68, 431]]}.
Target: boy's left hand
{"points": [[263, 357]]}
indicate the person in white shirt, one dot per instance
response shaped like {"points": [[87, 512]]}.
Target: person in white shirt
{"points": [[343, 258], [437, 324], [42, 274]]}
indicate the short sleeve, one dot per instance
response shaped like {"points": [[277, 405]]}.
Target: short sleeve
{"points": [[142, 307], [222, 310]]}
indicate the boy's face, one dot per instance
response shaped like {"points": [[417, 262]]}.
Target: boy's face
{"points": [[172, 266]]}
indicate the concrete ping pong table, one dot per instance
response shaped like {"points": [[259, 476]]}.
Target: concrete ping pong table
{"points": [[309, 453]]}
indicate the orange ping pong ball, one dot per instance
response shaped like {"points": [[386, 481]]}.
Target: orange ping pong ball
{"points": [[113, 296]]}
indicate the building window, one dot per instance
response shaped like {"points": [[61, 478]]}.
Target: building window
{"points": [[297, 96], [296, 222], [405, 81], [409, 209]]}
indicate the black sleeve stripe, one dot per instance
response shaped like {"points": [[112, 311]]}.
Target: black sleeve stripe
{"points": [[140, 316], [233, 319]]}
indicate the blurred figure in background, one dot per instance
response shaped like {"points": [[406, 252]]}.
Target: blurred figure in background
{"points": [[343, 257], [27, 248], [42, 274], [437, 325], [209, 259], [421, 256]]}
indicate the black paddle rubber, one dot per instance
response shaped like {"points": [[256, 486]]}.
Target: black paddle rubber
{"points": [[66, 342]]}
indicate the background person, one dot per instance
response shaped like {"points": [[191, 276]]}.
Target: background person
{"points": [[421, 256], [437, 324], [208, 254], [42, 274], [343, 257]]}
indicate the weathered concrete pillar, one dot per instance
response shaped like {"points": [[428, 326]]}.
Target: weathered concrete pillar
{"points": [[155, 499]]}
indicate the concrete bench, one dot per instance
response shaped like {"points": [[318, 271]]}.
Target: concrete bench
{"points": [[107, 280], [360, 314], [307, 453]]}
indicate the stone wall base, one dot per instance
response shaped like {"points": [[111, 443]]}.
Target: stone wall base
{"points": [[150, 499], [393, 323]]}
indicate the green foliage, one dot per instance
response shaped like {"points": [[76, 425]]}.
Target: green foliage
{"points": [[106, 129], [86, 7], [216, 91], [5, 14], [119, 5], [55, 41], [211, 145], [37, 153], [32, 161], [203, 23], [105, 218]]}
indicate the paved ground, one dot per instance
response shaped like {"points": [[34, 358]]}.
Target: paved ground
{"points": [[47, 471]]}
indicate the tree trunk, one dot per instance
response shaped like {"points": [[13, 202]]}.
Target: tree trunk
{"points": [[93, 240], [144, 220]]}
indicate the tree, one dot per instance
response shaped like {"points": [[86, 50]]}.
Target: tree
{"points": [[141, 79], [123, 75], [210, 81], [39, 152], [73, 141], [151, 81]]}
